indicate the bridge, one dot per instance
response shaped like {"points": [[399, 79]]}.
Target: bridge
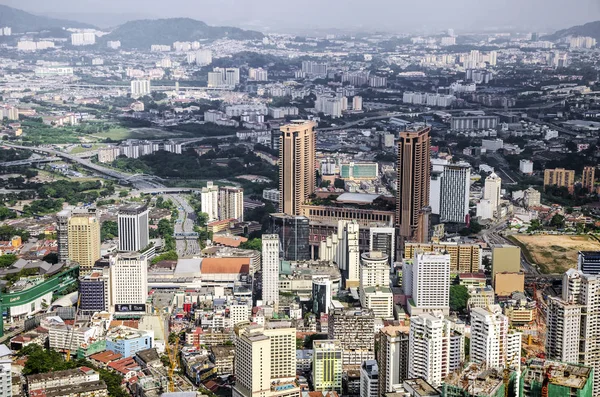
{"points": [[169, 190], [186, 235], [30, 161]]}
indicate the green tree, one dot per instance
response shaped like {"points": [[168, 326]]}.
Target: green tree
{"points": [[557, 221], [7, 260], [109, 230], [252, 244], [459, 295], [339, 183], [167, 256]]}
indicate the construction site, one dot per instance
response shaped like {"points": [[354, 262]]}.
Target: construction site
{"points": [[478, 381], [551, 378]]}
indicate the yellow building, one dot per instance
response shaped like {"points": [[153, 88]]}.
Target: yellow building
{"points": [[588, 178], [84, 240], [464, 258], [505, 258], [507, 283], [559, 177], [327, 365], [16, 241], [519, 316]]}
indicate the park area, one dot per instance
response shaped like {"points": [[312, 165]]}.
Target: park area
{"points": [[555, 253]]}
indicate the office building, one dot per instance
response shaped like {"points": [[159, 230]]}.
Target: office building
{"points": [[354, 328], [62, 234], [294, 234], [413, 185], [321, 295], [429, 275], [231, 203], [209, 201], [464, 258], [84, 239], [374, 291], [296, 165], [588, 178], [505, 259], [94, 292], [589, 262], [129, 282], [140, 88], [128, 341], [327, 365], [392, 357], [455, 191], [133, 228], [492, 344], [383, 239], [559, 177], [492, 190], [369, 379], [265, 362], [270, 270]]}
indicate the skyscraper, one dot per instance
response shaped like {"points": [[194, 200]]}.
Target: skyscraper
{"points": [[84, 239], [369, 379], [133, 228], [491, 191], [327, 365], [392, 357], [296, 165], [429, 276], [414, 160], [129, 281], [209, 198], [231, 203], [62, 234], [270, 270], [454, 198]]}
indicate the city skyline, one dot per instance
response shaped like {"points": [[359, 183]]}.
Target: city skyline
{"points": [[352, 15]]}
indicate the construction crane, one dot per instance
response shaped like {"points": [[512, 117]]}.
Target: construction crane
{"points": [[546, 382], [171, 354], [68, 350]]}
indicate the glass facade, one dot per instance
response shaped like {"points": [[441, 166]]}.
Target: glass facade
{"points": [[293, 232]]}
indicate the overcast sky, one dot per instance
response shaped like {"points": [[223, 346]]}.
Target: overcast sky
{"points": [[390, 15]]}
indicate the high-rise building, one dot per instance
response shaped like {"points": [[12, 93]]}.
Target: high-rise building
{"points": [[209, 201], [129, 282], [491, 341], [133, 228], [83, 38], [374, 291], [296, 165], [430, 278], [464, 258], [414, 158], [559, 177], [369, 379], [140, 88], [354, 328], [84, 239], [425, 347], [6, 385], [203, 57], [231, 203], [327, 365], [589, 262], [455, 190], [321, 295], [62, 234], [342, 247], [270, 270], [265, 362], [505, 259], [564, 327], [392, 357], [588, 178], [383, 239], [258, 74], [492, 190], [94, 292], [294, 234]]}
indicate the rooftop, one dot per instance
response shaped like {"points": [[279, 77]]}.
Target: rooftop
{"points": [[421, 386], [567, 375]]}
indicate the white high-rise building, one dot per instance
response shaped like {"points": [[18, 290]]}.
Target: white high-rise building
{"points": [[5, 368], [258, 74], [348, 258], [491, 341], [564, 326], [430, 276], [203, 57], [140, 88], [80, 39], [374, 270], [492, 190], [357, 103], [231, 203], [425, 348], [209, 201], [455, 190], [369, 379], [270, 270], [128, 281], [133, 228]]}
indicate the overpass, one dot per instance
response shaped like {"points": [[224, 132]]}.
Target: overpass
{"points": [[169, 190], [30, 161]]}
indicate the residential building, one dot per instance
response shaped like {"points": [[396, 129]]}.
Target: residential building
{"points": [[84, 239], [369, 379], [589, 262], [258, 74], [413, 185], [296, 165], [231, 203], [564, 379], [425, 348], [392, 357], [327, 365], [464, 258], [83, 38], [6, 386], [588, 178], [209, 201], [532, 198], [526, 166], [492, 191], [62, 234], [140, 88], [354, 328], [474, 123], [133, 228], [270, 270], [129, 282], [455, 192], [559, 177]]}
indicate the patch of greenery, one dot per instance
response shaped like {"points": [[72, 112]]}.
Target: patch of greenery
{"points": [[167, 256], [459, 295], [109, 230]]}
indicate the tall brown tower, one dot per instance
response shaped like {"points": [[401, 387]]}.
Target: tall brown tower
{"points": [[296, 165], [414, 162], [588, 178]]}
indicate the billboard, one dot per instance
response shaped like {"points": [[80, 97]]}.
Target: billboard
{"points": [[126, 308]]}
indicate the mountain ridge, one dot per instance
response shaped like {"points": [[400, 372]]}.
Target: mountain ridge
{"points": [[22, 21], [590, 29]]}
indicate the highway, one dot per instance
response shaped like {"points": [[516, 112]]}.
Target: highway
{"points": [[493, 235]]}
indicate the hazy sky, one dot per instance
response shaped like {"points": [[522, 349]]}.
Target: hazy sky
{"points": [[391, 15]]}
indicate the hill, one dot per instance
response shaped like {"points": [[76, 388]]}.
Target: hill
{"points": [[21, 21], [143, 33], [591, 29]]}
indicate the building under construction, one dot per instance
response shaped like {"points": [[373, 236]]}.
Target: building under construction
{"points": [[555, 379], [477, 381]]}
